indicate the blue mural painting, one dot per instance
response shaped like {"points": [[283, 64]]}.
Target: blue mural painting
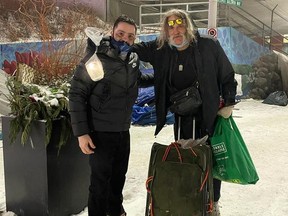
{"points": [[8, 50], [239, 48]]}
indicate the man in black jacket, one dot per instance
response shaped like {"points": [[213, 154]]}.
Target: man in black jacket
{"points": [[103, 91], [180, 58]]}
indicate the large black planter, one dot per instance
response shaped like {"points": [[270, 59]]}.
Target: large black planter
{"points": [[38, 181]]}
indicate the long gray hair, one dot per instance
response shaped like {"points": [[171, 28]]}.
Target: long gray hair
{"points": [[164, 37]]}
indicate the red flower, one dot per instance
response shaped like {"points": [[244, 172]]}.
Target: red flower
{"points": [[31, 59], [9, 68]]}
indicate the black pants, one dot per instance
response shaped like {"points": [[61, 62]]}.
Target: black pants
{"points": [[186, 132], [109, 164]]}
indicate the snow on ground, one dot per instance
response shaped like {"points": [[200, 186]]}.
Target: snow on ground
{"points": [[264, 129]]}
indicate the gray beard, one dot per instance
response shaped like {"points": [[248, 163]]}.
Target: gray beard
{"points": [[184, 43]]}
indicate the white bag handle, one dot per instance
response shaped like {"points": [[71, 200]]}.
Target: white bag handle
{"points": [[95, 34]]}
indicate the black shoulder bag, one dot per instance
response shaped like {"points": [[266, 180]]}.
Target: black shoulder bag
{"points": [[187, 101]]}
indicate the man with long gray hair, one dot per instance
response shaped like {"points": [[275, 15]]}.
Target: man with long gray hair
{"points": [[181, 57]]}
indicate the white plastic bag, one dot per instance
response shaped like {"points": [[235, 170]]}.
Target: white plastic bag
{"points": [[94, 68], [95, 34]]}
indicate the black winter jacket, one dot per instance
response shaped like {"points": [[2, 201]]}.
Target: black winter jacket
{"points": [[104, 105], [215, 76]]}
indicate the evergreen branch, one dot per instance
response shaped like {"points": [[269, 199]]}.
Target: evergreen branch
{"points": [[29, 102]]}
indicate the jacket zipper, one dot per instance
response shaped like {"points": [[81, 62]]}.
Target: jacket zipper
{"points": [[127, 74]]}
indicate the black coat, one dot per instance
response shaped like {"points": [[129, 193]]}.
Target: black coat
{"points": [[215, 76], [104, 105]]}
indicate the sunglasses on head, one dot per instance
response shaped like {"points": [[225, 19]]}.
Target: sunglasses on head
{"points": [[173, 22]]}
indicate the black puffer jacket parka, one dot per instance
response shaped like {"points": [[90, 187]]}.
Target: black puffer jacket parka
{"points": [[214, 71], [104, 105]]}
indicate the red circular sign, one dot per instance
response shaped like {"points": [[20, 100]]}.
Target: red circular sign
{"points": [[212, 32]]}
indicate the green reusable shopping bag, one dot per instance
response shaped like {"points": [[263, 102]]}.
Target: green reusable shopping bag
{"points": [[231, 159]]}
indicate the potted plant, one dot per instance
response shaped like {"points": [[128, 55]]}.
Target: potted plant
{"points": [[45, 171]]}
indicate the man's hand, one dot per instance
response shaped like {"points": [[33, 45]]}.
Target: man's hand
{"points": [[86, 144], [225, 112]]}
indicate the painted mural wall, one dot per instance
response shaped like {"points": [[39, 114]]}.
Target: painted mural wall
{"points": [[239, 48]]}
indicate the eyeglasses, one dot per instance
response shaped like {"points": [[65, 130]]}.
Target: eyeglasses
{"points": [[173, 22]]}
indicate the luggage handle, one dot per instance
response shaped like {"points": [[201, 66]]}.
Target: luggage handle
{"points": [[168, 149], [179, 126], [150, 178]]}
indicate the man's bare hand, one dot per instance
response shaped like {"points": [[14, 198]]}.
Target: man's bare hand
{"points": [[86, 144]]}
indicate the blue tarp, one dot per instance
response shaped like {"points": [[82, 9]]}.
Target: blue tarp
{"points": [[146, 96], [144, 112], [146, 115]]}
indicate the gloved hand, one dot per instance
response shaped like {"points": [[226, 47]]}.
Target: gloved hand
{"points": [[225, 112], [95, 34]]}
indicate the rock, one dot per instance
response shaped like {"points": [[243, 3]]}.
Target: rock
{"points": [[265, 77]]}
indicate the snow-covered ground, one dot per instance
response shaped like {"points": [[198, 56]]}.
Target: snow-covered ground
{"points": [[264, 129]]}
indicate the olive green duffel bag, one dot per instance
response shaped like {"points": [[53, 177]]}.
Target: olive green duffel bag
{"points": [[180, 181]]}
